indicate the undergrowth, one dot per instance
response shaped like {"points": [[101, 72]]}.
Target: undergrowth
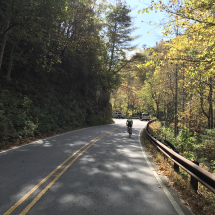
{"points": [[29, 112], [193, 146], [200, 202]]}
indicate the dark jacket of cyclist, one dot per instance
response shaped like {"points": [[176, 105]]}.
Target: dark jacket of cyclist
{"points": [[129, 122]]}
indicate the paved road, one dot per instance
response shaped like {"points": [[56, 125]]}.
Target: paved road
{"points": [[109, 174]]}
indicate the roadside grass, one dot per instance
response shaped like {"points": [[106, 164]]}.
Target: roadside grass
{"points": [[201, 202]]}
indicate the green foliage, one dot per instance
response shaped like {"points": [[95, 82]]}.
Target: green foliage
{"points": [[206, 148], [15, 119], [63, 41], [119, 29], [182, 68], [23, 116], [167, 133], [186, 143], [56, 61], [191, 146], [127, 98]]}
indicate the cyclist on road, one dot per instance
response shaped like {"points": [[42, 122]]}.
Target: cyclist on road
{"points": [[129, 123]]}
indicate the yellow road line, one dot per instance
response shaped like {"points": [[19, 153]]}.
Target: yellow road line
{"points": [[34, 201], [57, 177], [48, 176]]}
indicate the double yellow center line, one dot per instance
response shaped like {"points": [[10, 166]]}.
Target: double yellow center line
{"points": [[80, 151]]}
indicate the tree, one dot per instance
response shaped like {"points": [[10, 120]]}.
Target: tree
{"points": [[31, 26], [118, 36], [192, 53]]}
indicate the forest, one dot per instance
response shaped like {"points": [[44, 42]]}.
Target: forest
{"points": [[59, 62], [64, 65], [174, 81]]}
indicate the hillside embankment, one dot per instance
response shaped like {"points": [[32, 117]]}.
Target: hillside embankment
{"points": [[35, 108]]}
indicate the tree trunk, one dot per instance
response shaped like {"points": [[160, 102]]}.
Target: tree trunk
{"points": [[158, 110], [113, 48], [10, 63], [176, 101], [209, 115], [176, 90], [183, 103], [3, 41], [210, 98]]}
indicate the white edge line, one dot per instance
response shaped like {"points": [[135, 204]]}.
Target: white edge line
{"points": [[168, 194], [16, 147]]}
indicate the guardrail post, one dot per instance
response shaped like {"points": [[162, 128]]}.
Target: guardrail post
{"points": [[176, 167], [193, 181]]}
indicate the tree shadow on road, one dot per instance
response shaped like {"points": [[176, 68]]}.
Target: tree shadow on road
{"points": [[111, 177]]}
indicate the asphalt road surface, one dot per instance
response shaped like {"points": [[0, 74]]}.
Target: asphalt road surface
{"points": [[96, 170]]}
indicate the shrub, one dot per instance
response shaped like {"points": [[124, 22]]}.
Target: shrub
{"points": [[206, 149], [26, 111]]}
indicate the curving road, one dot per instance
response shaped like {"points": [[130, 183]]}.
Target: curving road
{"points": [[96, 170]]}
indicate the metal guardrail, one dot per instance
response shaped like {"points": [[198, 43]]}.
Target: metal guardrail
{"points": [[197, 173], [171, 146]]}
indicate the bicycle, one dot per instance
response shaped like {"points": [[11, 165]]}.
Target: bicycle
{"points": [[129, 131]]}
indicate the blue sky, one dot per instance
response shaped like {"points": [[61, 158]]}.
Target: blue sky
{"points": [[142, 22]]}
